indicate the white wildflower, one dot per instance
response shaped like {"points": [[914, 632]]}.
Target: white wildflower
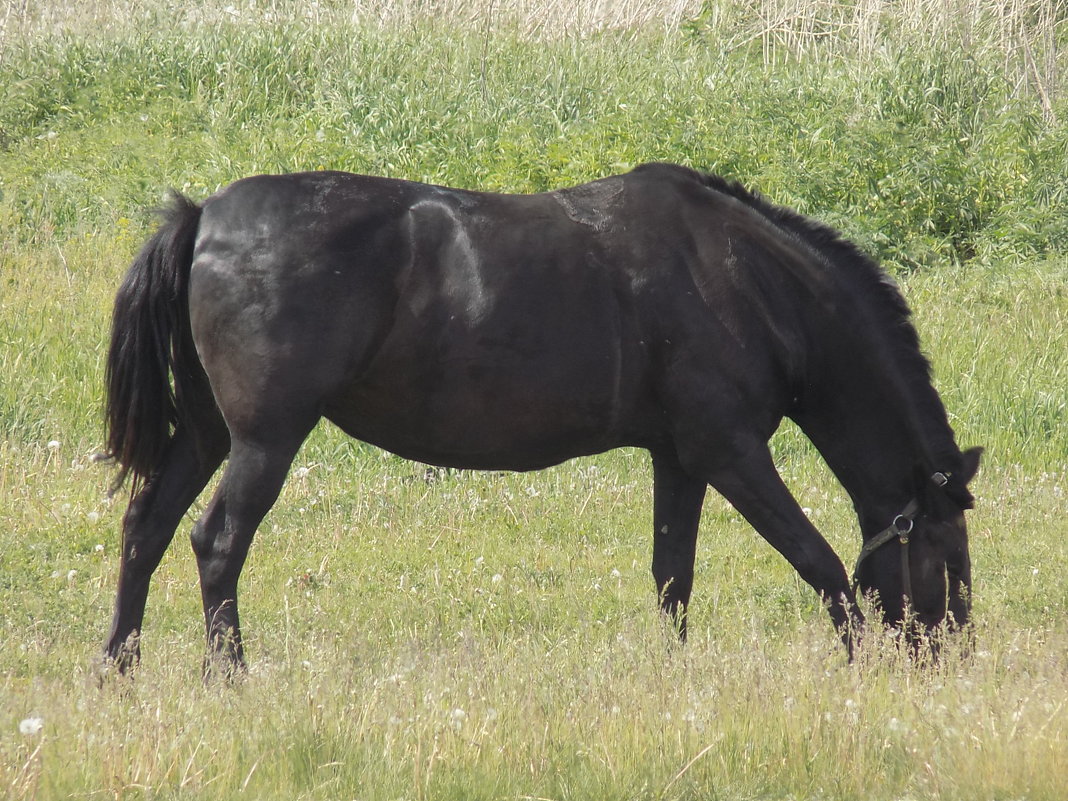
{"points": [[31, 726]]}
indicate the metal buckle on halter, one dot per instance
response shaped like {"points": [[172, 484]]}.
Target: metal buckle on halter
{"points": [[940, 479], [900, 528], [903, 525]]}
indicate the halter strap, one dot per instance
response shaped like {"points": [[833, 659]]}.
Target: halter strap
{"points": [[901, 528]]}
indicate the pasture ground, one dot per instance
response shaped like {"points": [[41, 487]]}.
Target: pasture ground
{"points": [[457, 635]]}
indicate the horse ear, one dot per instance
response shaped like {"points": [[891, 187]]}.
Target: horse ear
{"points": [[969, 465], [957, 486]]}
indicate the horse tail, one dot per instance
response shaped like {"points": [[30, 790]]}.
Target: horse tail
{"points": [[151, 361]]}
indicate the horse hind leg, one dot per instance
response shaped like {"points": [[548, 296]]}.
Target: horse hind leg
{"points": [[221, 538], [148, 527]]}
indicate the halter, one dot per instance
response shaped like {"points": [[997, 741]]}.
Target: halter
{"points": [[901, 527]]}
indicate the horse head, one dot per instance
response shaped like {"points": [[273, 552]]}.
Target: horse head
{"points": [[919, 567]]}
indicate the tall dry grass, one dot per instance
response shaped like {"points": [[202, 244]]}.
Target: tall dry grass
{"points": [[532, 17], [1026, 35]]}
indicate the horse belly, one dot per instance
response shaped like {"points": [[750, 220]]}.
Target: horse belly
{"points": [[466, 398]]}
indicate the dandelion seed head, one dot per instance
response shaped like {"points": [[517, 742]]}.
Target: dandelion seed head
{"points": [[31, 726]]}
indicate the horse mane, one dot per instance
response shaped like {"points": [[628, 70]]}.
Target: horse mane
{"points": [[889, 311]]}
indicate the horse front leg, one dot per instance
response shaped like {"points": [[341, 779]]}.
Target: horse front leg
{"points": [[753, 486], [677, 501]]}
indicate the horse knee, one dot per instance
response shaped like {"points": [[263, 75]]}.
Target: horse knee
{"points": [[144, 538], [136, 515], [201, 540], [212, 557], [220, 552]]}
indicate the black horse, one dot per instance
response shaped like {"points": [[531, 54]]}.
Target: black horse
{"points": [[664, 309]]}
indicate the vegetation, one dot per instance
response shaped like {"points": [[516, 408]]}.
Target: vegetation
{"points": [[466, 635]]}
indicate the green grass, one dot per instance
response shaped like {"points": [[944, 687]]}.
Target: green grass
{"points": [[922, 155], [482, 635], [377, 605]]}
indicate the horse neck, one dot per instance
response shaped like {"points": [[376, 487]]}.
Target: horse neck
{"points": [[864, 417], [863, 388]]}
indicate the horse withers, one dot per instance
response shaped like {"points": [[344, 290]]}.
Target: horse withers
{"points": [[663, 308]]}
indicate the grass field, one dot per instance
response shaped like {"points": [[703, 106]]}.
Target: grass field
{"points": [[494, 636]]}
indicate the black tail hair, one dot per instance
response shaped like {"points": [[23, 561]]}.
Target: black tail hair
{"points": [[151, 346]]}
